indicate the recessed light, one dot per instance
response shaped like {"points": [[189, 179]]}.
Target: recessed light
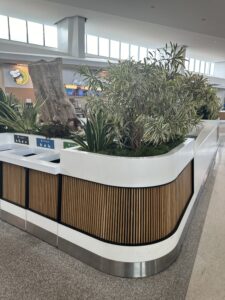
{"points": [[152, 6], [203, 19]]}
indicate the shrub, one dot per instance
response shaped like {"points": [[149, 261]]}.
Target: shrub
{"points": [[18, 117], [98, 133], [146, 101], [204, 95]]}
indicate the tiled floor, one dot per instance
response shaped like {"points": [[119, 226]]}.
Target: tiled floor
{"points": [[31, 269], [208, 278]]}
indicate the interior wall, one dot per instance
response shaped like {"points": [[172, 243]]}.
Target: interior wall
{"points": [[10, 86], [21, 94], [18, 47]]}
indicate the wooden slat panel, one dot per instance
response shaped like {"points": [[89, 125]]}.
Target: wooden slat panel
{"points": [[125, 215], [14, 178], [43, 193]]}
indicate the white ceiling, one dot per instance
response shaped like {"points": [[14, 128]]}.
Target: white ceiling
{"points": [[137, 22], [203, 16]]}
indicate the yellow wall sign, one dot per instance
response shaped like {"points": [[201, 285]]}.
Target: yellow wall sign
{"points": [[20, 75], [71, 86]]}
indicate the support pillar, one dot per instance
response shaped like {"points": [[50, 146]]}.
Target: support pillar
{"points": [[71, 36]]}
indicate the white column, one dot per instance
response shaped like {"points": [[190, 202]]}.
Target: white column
{"points": [[71, 36]]}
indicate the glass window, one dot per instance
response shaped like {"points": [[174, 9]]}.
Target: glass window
{"points": [[18, 30], [35, 33], [92, 44], [207, 68], [197, 66], [51, 38], [191, 64], [103, 47], [134, 52], [186, 63], [4, 29], [124, 51], [143, 53], [158, 54], [114, 49], [153, 52], [212, 67], [202, 67]]}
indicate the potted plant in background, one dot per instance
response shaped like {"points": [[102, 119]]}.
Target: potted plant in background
{"points": [[208, 103]]}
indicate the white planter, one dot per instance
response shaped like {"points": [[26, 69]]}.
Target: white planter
{"points": [[127, 171], [121, 260], [40, 162], [9, 138]]}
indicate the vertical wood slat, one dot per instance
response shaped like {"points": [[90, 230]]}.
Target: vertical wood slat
{"points": [[14, 181], [43, 193], [125, 215]]}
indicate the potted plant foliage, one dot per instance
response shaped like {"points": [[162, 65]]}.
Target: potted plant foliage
{"points": [[16, 116], [147, 107]]}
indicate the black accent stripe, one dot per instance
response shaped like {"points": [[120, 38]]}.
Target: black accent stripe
{"points": [[27, 188], [59, 207], [1, 180]]}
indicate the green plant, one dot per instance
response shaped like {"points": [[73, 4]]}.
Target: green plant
{"points": [[55, 130], [204, 95], [170, 58], [19, 117], [7, 100], [98, 133], [145, 150], [151, 104], [146, 101], [93, 78], [172, 111]]}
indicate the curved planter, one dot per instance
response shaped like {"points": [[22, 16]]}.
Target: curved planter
{"points": [[128, 216], [124, 216], [131, 172]]}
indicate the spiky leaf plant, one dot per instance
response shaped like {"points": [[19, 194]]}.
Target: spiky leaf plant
{"points": [[21, 118], [98, 133]]}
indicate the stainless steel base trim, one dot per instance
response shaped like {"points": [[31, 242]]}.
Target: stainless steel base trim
{"points": [[42, 234], [13, 220], [117, 268]]}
